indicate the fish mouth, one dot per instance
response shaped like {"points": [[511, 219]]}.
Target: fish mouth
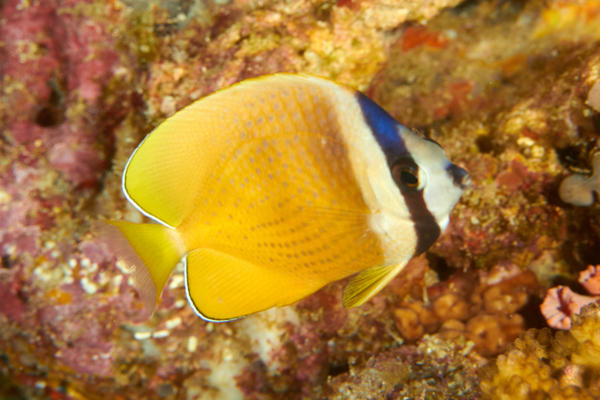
{"points": [[460, 176], [466, 182]]}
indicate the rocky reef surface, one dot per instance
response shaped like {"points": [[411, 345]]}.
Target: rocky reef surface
{"points": [[508, 88]]}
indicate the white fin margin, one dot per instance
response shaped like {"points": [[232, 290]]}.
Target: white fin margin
{"points": [[137, 206], [189, 298]]}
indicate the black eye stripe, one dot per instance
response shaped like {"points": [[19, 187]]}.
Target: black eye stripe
{"points": [[384, 128], [426, 227]]}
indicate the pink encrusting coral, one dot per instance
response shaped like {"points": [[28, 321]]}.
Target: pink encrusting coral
{"points": [[561, 303], [590, 279]]}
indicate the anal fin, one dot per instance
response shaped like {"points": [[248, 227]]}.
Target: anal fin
{"points": [[368, 283], [222, 287]]}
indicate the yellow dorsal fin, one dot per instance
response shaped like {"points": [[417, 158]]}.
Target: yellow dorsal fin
{"points": [[168, 169], [368, 283]]}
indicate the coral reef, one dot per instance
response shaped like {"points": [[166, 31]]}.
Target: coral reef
{"points": [[481, 306], [561, 303], [436, 368], [508, 88], [544, 365], [508, 130]]}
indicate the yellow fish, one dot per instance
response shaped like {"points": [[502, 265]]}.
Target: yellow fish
{"points": [[273, 188]]}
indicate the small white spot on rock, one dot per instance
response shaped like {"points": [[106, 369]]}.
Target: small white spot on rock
{"points": [[103, 279], [160, 334], [142, 335], [117, 280], [173, 323], [525, 141], [88, 287], [227, 354], [192, 344]]}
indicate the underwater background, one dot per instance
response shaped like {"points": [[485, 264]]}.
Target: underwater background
{"points": [[510, 89]]}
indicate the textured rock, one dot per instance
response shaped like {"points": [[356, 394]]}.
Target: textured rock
{"points": [[540, 364]]}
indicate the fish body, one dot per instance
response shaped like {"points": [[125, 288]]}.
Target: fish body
{"points": [[273, 188]]}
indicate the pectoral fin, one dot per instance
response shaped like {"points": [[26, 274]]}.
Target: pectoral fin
{"points": [[368, 283]]}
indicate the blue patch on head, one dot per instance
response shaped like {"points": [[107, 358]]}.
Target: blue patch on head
{"points": [[384, 127]]}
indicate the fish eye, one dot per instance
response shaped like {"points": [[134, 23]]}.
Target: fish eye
{"points": [[406, 175], [408, 178]]}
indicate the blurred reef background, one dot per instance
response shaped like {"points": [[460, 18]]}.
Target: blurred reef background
{"points": [[509, 88]]}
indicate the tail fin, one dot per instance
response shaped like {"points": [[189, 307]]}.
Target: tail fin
{"points": [[149, 251]]}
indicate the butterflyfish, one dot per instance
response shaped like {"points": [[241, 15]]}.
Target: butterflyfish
{"points": [[274, 187]]}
